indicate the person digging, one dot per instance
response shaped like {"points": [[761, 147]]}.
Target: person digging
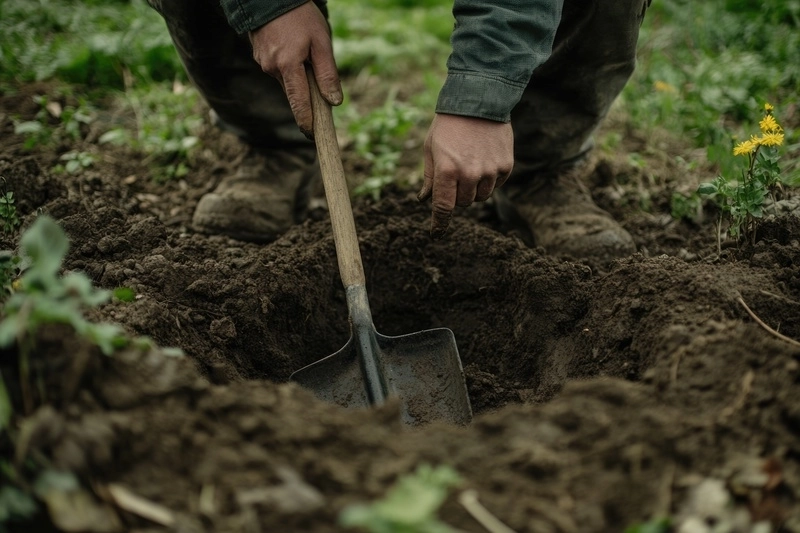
{"points": [[528, 83]]}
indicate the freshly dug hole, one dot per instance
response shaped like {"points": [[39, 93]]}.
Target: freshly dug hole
{"points": [[246, 311]]}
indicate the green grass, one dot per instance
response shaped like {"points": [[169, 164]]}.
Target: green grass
{"points": [[117, 51], [96, 43], [706, 69], [391, 38], [166, 128]]}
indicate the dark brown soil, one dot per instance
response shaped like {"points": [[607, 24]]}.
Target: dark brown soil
{"points": [[602, 395]]}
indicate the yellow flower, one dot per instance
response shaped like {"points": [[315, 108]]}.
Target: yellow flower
{"points": [[771, 139], [768, 108], [745, 147], [664, 87], [768, 124]]}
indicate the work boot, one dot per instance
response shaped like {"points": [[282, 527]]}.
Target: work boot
{"points": [[557, 213], [268, 193]]}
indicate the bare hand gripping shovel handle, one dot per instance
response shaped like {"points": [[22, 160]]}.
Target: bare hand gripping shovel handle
{"points": [[423, 369]]}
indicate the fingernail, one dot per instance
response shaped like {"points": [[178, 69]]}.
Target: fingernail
{"points": [[423, 194], [336, 98]]}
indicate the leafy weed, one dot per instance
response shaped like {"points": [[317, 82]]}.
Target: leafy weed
{"points": [[742, 201], [379, 137], [410, 506], [8, 210], [41, 296]]}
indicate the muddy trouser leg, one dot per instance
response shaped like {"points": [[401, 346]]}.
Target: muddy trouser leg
{"points": [[593, 57], [220, 63]]}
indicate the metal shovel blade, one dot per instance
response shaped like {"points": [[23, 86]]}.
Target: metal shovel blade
{"points": [[423, 370]]}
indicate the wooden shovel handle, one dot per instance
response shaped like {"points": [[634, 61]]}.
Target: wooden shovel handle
{"points": [[351, 269]]}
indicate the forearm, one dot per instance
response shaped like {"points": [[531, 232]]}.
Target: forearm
{"points": [[496, 47]]}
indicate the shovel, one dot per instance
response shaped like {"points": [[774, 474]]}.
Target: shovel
{"points": [[422, 370]]}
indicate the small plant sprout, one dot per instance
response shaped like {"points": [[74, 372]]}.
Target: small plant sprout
{"points": [[43, 297], [124, 294], [54, 122], [742, 202], [9, 270], [410, 506], [379, 138], [8, 211], [74, 162]]}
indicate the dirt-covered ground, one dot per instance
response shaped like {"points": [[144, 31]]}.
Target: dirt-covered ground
{"points": [[604, 396]]}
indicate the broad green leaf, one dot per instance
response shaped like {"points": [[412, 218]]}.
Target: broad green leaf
{"points": [[707, 188], [55, 480], [172, 352], [188, 143], [9, 328], [78, 284], [28, 127], [46, 244], [73, 166], [108, 337], [357, 515], [124, 294], [409, 506], [116, 137], [54, 312]]}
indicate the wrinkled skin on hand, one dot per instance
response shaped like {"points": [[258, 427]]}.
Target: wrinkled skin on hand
{"points": [[282, 47], [466, 158]]}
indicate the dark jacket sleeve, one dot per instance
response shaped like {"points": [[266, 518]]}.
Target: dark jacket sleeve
{"points": [[496, 47], [247, 15]]}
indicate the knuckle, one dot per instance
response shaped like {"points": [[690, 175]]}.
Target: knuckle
{"points": [[447, 171], [328, 79], [269, 67], [465, 199], [484, 192], [441, 208], [442, 220], [505, 169]]}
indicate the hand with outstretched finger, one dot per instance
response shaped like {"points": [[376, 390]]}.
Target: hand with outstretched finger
{"points": [[283, 46], [466, 159]]}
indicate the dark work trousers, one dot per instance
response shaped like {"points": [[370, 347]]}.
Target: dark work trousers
{"points": [[594, 55]]}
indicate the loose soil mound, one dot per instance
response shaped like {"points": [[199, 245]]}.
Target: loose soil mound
{"points": [[602, 395]]}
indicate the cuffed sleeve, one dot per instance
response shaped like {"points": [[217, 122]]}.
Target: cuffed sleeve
{"points": [[496, 47], [248, 15]]}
